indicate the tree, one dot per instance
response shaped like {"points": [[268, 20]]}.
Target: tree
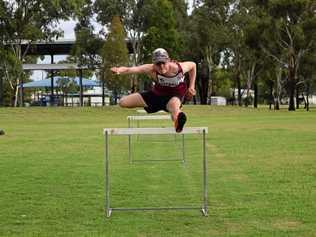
{"points": [[308, 76], [160, 29], [290, 35], [139, 20], [130, 12], [115, 53], [208, 38], [27, 21], [86, 50]]}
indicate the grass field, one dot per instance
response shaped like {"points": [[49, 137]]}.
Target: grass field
{"points": [[261, 182]]}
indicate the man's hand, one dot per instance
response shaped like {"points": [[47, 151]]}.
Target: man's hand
{"points": [[190, 93], [116, 70]]}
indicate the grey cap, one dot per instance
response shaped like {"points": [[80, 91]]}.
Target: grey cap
{"points": [[160, 55]]}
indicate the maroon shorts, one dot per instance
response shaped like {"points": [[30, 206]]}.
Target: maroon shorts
{"points": [[156, 102]]}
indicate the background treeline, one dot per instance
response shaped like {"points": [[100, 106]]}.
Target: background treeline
{"points": [[261, 46]]}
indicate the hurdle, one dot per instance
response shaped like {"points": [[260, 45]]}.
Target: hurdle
{"points": [[138, 118], [142, 111], [153, 131]]}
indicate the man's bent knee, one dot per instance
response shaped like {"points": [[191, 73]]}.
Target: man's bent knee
{"points": [[132, 101], [124, 102]]}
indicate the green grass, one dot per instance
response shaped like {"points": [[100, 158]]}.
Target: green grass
{"points": [[262, 174]]}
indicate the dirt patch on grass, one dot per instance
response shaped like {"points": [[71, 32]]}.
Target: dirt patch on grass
{"points": [[286, 224]]}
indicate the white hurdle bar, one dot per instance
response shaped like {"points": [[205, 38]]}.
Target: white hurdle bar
{"points": [[153, 131], [146, 117], [142, 111]]}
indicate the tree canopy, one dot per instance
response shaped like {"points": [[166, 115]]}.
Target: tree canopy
{"points": [[267, 47]]}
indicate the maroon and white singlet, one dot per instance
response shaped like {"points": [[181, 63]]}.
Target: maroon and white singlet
{"points": [[170, 85]]}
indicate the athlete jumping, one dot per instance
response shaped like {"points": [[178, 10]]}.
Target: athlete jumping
{"points": [[169, 89]]}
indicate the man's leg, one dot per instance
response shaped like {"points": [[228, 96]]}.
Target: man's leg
{"points": [[177, 115], [132, 101], [173, 106]]}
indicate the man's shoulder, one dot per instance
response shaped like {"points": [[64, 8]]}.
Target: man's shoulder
{"points": [[187, 65]]}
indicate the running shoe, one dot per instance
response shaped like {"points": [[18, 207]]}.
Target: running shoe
{"points": [[180, 121]]}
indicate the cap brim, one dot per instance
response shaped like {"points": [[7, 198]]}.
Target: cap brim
{"points": [[160, 60]]}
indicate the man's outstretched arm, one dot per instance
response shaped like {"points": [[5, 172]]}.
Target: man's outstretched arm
{"points": [[142, 69]]}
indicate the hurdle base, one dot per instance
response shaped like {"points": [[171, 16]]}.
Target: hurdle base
{"points": [[204, 211], [157, 160], [110, 210]]}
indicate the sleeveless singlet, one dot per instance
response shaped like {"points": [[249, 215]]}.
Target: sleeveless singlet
{"points": [[170, 85]]}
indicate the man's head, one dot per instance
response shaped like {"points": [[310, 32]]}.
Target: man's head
{"points": [[160, 55], [160, 58]]}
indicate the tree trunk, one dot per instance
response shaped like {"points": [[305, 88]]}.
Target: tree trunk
{"points": [[297, 96], [238, 87], [270, 94], [1, 91], [307, 95], [255, 99], [135, 37], [18, 53], [210, 82], [209, 60], [202, 84], [250, 78], [291, 80], [16, 93], [278, 87]]}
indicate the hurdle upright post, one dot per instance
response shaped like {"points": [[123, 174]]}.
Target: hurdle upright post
{"points": [[129, 141], [107, 181], [205, 208]]}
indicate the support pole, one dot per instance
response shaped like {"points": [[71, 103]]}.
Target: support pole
{"points": [[129, 142], [183, 149], [52, 82], [81, 87], [107, 180], [204, 210], [1, 89]]}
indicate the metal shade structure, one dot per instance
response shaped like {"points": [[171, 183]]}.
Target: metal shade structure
{"points": [[46, 83], [51, 67]]}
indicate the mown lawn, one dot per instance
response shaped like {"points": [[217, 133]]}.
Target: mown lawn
{"points": [[261, 174]]}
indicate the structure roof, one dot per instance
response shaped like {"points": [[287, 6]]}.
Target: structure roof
{"points": [[47, 82], [60, 47], [64, 66]]}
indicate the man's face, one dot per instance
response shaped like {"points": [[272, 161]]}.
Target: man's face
{"points": [[162, 67]]}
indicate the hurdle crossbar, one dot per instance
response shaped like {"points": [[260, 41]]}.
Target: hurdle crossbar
{"points": [[142, 111], [148, 117], [152, 131]]}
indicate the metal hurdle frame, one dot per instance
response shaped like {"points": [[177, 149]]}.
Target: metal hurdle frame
{"points": [[142, 111], [138, 118], [152, 131]]}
